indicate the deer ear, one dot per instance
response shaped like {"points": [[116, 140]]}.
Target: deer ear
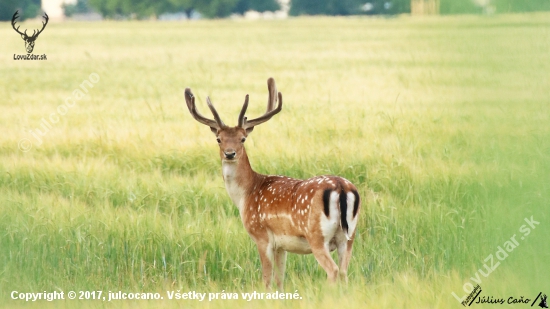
{"points": [[214, 130], [23, 37]]}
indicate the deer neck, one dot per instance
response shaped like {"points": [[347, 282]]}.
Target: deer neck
{"points": [[239, 179]]}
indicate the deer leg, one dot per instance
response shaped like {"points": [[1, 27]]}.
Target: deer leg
{"points": [[322, 255], [280, 264], [266, 258], [344, 255]]}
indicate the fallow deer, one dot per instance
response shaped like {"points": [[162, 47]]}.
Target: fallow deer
{"points": [[317, 215]]}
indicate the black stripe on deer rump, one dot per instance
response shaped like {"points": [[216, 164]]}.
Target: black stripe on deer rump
{"points": [[344, 210], [343, 203], [326, 202]]}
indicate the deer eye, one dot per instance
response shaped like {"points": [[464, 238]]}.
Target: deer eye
{"points": [[219, 140], [243, 139]]}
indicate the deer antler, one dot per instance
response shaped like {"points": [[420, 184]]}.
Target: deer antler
{"points": [[242, 118], [215, 113], [249, 124], [214, 124], [272, 99], [34, 33], [43, 25], [13, 24]]}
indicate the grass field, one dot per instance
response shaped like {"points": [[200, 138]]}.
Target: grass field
{"points": [[442, 123]]}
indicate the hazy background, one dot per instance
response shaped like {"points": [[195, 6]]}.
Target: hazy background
{"points": [[181, 9]]}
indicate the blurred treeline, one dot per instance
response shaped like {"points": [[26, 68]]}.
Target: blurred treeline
{"points": [[142, 8], [27, 8], [207, 8], [222, 8], [354, 7], [500, 6]]}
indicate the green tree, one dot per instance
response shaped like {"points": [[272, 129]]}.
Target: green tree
{"points": [[105, 7], [216, 8], [390, 6], [80, 7], [307, 7], [146, 8], [7, 8], [325, 7], [458, 7], [257, 5], [26, 8], [399, 7], [186, 6], [130, 8], [509, 6]]}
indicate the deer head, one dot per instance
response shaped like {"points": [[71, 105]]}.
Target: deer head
{"points": [[231, 139], [29, 40]]}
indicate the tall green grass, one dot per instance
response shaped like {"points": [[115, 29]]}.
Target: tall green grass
{"points": [[442, 123]]}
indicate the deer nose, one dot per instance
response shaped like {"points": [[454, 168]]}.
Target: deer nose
{"points": [[230, 154]]}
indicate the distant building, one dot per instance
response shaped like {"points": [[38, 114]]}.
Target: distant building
{"points": [[424, 7], [54, 8]]}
